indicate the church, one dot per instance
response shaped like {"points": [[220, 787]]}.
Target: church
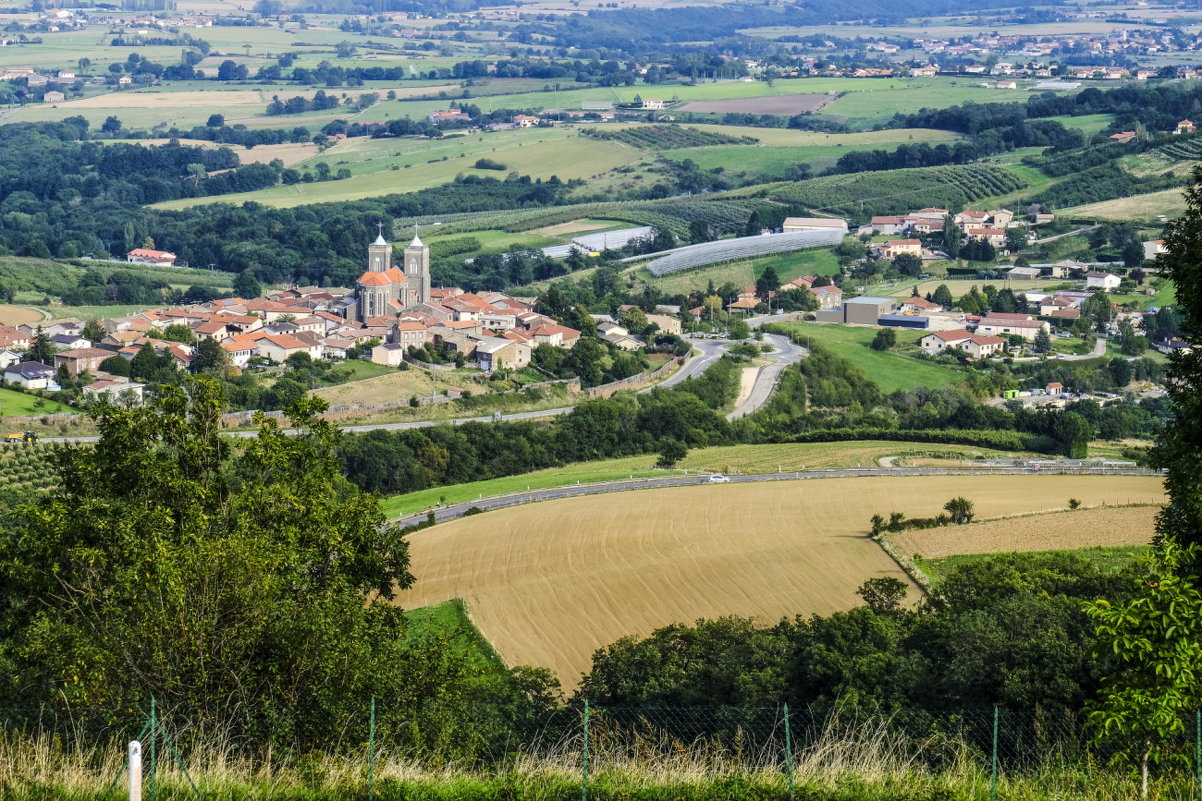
{"points": [[385, 290]]}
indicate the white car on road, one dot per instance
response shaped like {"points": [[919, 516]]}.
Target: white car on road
{"points": [[718, 478]]}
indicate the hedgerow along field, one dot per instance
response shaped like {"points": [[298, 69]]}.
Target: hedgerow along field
{"points": [[609, 566]]}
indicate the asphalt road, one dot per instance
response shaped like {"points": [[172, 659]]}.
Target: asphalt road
{"points": [[453, 511], [766, 380], [710, 351]]}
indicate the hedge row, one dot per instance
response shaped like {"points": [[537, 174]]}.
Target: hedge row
{"points": [[1001, 440]]}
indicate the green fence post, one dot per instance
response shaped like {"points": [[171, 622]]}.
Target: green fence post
{"points": [[993, 769], [788, 750], [584, 759], [371, 752], [154, 735]]}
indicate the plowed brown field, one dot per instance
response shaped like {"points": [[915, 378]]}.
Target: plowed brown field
{"points": [[551, 582]]}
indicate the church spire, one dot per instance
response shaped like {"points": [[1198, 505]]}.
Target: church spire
{"points": [[380, 239]]}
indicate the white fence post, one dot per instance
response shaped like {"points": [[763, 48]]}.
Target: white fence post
{"points": [[135, 771]]}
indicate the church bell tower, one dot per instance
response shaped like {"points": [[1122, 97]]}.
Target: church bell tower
{"points": [[379, 253], [417, 269]]}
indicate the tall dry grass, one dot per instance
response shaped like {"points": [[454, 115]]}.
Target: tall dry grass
{"points": [[860, 757]]}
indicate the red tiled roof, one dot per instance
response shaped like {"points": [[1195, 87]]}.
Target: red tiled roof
{"points": [[952, 336], [147, 253]]}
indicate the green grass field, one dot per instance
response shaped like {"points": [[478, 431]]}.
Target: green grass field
{"points": [[451, 622], [1166, 295], [891, 370], [494, 241], [879, 105], [18, 404], [1110, 560], [726, 459], [781, 149], [561, 153], [819, 261], [1088, 124], [789, 137], [96, 312]]}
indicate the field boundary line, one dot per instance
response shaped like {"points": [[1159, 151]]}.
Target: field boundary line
{"points": [[908, 566]]}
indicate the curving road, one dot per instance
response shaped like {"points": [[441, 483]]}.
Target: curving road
{"points": [[1031, 467], [768, 377]]}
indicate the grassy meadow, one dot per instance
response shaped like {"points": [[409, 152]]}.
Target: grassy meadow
{"points": [[780, 149], [816, 261], [18, 404], [388, 166], [890, 370], [1111, 559]]}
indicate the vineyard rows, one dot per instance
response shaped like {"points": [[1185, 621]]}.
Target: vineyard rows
{"points": [[673, 215], [1188, 150], [746, 247], [896, 191], [28, 466]]}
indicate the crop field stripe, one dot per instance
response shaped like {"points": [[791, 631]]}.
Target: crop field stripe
{"points": [[549, 583]]}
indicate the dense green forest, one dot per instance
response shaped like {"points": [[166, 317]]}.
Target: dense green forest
{"points": [[1008, 630]]}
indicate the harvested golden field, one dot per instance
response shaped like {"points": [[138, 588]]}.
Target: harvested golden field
{"points": [[289, 153], [1055, 531], [19, 315], [215, 97], [572, 228], [395, 386], [1170, 202], [551, 582]]}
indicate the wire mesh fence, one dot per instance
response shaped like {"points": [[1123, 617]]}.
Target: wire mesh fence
{"points": [[992, 746]]}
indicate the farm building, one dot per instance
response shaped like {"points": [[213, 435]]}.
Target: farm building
{"points": [[1095, 279], [866, 310], [795, 224], [1023, 273], [161, 258], [899, 247], [1027, 329], [904, 321], [888, 225]]}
